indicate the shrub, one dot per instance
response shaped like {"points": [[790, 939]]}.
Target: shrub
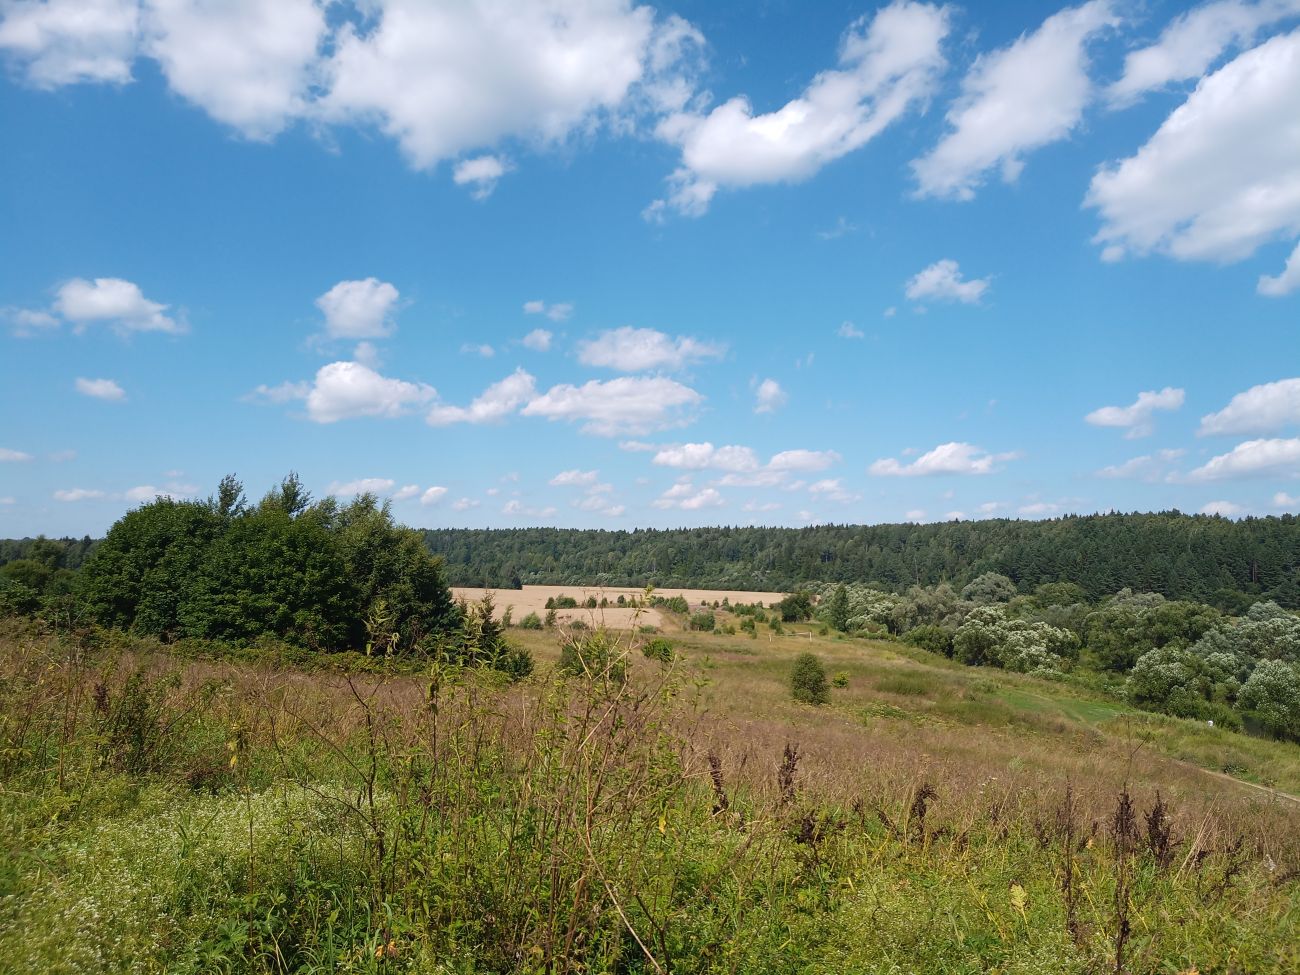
{"points": [[841, 679], [704, 622], [674, 604], [930, 637], [596, 654], [796, 606], [659, 649], [808, 680], [531, 622]]}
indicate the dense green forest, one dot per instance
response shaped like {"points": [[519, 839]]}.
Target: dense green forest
{"points": [[315, 575], [1208, 559]]}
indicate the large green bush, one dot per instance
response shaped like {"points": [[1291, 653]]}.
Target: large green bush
{"points": [[808, 682], [321, 575]]}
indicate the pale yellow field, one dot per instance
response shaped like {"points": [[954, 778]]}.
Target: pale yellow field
{"points": [[532, 599]]}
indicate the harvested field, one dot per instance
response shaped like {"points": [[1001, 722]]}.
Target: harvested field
{"points": [[532, 599]]}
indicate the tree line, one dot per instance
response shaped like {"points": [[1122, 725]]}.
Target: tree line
{"points": [[1229, 564]]}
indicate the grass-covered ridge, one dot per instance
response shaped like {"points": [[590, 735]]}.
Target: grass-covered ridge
{"points": [[165, 811]]}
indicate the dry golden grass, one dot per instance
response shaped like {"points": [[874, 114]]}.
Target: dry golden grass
{"points": [[983, 737]]}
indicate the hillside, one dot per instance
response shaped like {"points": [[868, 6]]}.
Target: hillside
{"points": [[173, 811], [1195, 557]]}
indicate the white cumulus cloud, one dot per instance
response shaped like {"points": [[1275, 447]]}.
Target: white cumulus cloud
{"points": [[65, 42], [13, 456], [247, 63], [1137, 416], [630, 349], [365, 485], [1221, 176], [557, 312], [79, 494], [803, 460], [1260, 409], [1193, 41], [705, 456], [359, 309], [619, 407], [433, 495], [1020, 98], [684, 495], [887, 66], [1285, 281], [1148, 467], [1224, 509], [105, 389], [539, 340], [948, 458], [114, 301], [832, 489], [449, 78], [574, 478], [480, 174], [498, 401], [1254, 458], [942, 281], [344, 390], [769, 396]]}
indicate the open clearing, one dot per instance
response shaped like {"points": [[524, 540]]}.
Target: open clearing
{"points": [[532, 599]]}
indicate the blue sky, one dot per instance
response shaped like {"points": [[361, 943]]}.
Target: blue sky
{"points": [[585, 263]]}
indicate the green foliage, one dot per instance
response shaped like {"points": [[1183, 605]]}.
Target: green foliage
{"points": [[1181, 682], [991, 587], [990, 637], [931, 637], [1272, 696], [841, 678], [674, 604], [595, 654], [795, 607], [837, 609], [658, 649], [311, 574], [808, 680], [703, 621], [399, 832], [1128, 625], [481, 642], [531, 622], [1192, 557]]}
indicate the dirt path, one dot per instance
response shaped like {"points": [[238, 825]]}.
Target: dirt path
{"points": [[1286, 796]]}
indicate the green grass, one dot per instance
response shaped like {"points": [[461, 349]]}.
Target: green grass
{"points": [[440, 823]]}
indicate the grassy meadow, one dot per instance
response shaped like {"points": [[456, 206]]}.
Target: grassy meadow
{"points": [[178, 809]]}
